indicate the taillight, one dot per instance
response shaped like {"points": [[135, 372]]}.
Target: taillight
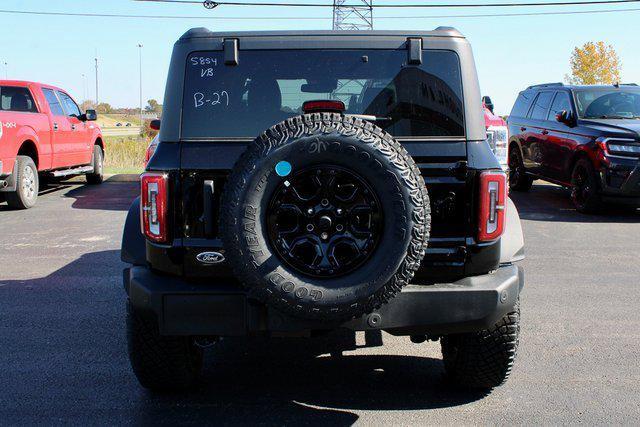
{"points": [[151, 149], [153, 206], [493, 199]]}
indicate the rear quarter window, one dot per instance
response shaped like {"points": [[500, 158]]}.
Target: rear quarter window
{"points": [[17, 99], [522, 104]]}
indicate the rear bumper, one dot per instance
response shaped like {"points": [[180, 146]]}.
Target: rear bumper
{"points": [[7, 181], [184, 308], [3, 180]]}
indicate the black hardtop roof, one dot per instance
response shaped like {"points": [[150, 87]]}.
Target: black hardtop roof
{"points": [[201, 32], [233, 44]]}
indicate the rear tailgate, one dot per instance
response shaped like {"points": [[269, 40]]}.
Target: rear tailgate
{"points": [[452, 252]]}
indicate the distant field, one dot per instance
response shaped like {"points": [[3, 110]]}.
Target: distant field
{"points": [[110, 120], [125, 154]]}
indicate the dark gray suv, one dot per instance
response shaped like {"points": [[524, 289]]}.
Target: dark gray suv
{"points": [[310, 182]]}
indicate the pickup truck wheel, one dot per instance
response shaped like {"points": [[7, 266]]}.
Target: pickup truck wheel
{"points": [[518, 178], [483, 359], [161, 363], [27, 184], [97, 176], [584, 187], [325, 217]]}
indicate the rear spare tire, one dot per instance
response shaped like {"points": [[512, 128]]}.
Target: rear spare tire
{"points": [[325, 216]]}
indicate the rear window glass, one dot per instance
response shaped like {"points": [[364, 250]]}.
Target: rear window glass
{"points": [[16, 99], [267, 87]]}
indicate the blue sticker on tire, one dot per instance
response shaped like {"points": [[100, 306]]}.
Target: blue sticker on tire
{"points": [[283, 168]]}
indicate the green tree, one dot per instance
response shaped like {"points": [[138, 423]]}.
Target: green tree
{"points": [[153, 106], [104, 108], [594, 63], [87, 105]]}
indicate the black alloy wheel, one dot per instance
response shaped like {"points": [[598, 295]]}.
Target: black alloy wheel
{"points": [[325, 221], [581, 190], [325, 217], [518, 179], [584, 188]]}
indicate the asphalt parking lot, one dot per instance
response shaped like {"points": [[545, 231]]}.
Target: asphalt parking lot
{"points": [[63, 351]]}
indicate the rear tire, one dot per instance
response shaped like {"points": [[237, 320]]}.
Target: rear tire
{"points": [[584, 188], [518, 178], [483, 359], [97, 176], [161, 363], [27, 184]]}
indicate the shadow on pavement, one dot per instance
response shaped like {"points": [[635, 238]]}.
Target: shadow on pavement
{"points": [[45, 188], [114, 196], [548, 202], [282, 382], [74, 317], [110, 195]]}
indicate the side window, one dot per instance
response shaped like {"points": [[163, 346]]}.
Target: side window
{"points": [[17, 99], [560, 102], [522, 104], [540, 106], [54, 103], [69, 105]]}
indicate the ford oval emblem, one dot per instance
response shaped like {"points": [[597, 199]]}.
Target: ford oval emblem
{"points": [[210, 258]]}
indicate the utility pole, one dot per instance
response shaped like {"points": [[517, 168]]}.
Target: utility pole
{"points": [[140, 46], [97, 93], [84, 86], [358, 15]]}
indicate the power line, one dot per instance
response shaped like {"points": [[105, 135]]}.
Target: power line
{"points": [[402, 5], [308, 18]]}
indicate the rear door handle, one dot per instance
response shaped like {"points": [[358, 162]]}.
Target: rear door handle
{"points": [[55, 126], [73, 127], [545, 132]]}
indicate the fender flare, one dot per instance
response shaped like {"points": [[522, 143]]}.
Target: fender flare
{"points": [[27, 133], [134, 249], [98, 140], [518, 143], [512, 241]]}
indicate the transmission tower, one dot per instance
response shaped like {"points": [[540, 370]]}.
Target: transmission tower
{"points": [[358, 15]]}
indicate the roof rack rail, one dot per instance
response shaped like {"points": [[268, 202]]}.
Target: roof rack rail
{"points": [[628, 84], [558, 84]]}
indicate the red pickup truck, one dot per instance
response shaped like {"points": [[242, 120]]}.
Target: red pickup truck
{"points": [[497, 133], [43, 133]]}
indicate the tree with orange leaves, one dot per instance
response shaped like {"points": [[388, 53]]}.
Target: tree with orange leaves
{"points": [[594, 63]]}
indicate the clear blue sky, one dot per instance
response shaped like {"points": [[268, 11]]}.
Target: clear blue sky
{"points": [[511, 52]]}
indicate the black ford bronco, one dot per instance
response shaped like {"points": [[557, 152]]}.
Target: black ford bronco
{"points": [[310, 182]]}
